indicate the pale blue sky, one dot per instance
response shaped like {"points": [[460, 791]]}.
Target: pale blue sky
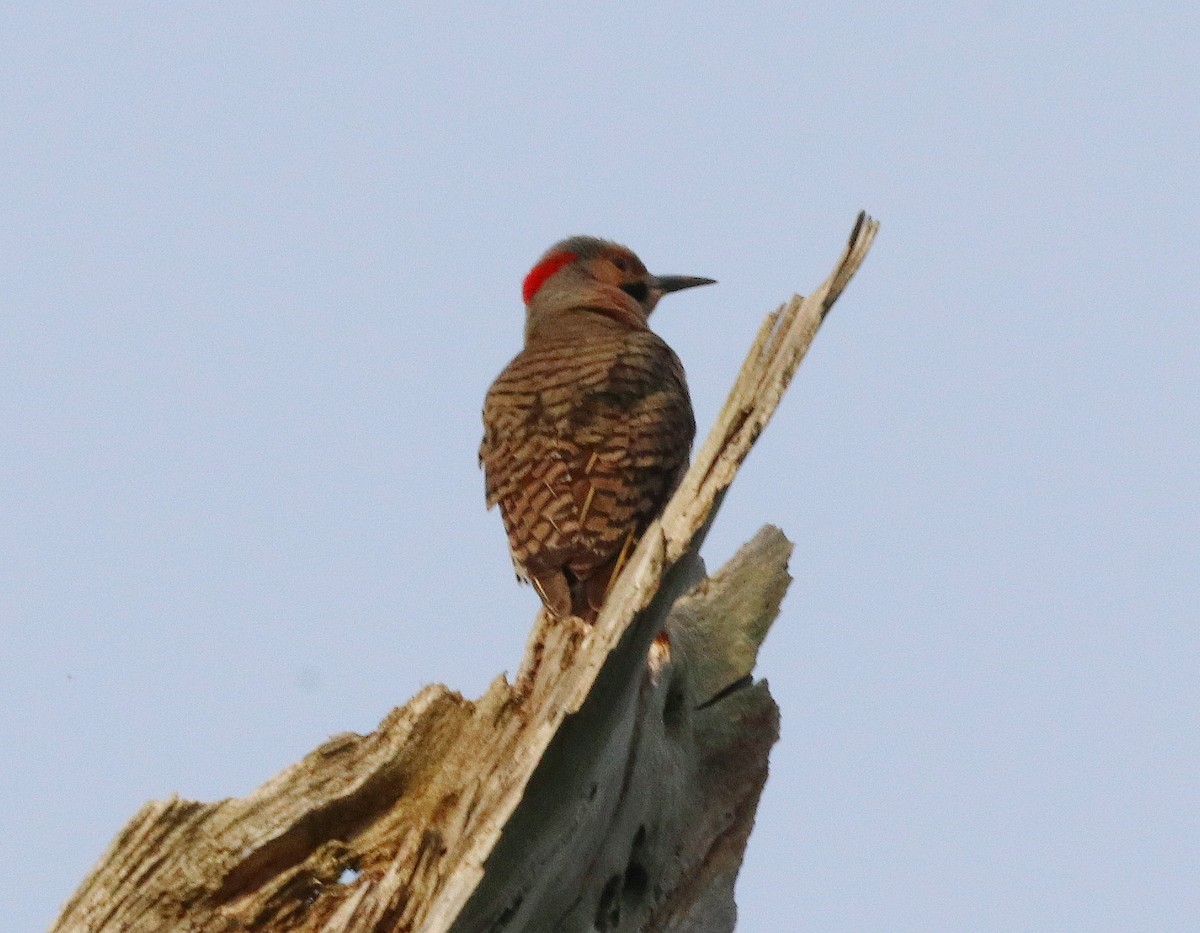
{"points": [[259, 263]]}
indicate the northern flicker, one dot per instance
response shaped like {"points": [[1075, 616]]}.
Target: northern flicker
{"points": [[588, 430]]}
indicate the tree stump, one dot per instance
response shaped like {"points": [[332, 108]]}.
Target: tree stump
{"points": [[611, 787]]}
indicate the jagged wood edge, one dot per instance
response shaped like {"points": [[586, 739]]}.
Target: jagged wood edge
{"points": [[463, 766]]}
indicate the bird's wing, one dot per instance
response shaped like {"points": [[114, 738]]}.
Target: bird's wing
{"points": [[582, 447], [631, 438]]}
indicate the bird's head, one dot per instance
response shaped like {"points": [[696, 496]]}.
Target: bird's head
{"points": [[583, 273]]}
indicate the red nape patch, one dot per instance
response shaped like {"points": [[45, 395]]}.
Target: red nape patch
{"points": [[542, 271]]}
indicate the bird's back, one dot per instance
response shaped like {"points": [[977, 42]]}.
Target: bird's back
{"points": [[587, 432]]}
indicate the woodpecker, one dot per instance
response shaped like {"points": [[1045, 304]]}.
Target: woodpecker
{"points": [[588, 430]]}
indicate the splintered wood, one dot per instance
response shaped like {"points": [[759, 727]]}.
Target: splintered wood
{"points": [[597, 792]]}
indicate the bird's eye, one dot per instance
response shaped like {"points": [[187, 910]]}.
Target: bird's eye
{"points": [[636, 290]]}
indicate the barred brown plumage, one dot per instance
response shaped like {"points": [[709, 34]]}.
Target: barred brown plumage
{"points": [[589, 428]]}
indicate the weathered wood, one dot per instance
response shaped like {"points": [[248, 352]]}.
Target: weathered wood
{"points": [[611, 787]]}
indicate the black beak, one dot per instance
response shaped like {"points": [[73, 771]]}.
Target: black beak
{"points": [[675, 283]]}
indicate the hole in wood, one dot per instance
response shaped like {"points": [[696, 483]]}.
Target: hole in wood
{"points": [[608, 911], [637, 879], [673, 706]]}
